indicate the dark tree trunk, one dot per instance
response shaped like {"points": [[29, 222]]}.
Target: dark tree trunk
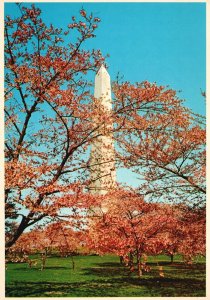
{"points": [[138, 258], [121, 260], [17, 234]]}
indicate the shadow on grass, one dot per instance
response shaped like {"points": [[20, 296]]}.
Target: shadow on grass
{"points": [[104, 288], [106, 272], [108, 269], [113, 280], [26, 269], [199, 266], [109, 264], [182, 265]]}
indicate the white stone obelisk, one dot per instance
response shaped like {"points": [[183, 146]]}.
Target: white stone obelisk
{"points": [[102, 160]]}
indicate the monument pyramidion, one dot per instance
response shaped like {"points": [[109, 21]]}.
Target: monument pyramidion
{"points": [[102, 159]]}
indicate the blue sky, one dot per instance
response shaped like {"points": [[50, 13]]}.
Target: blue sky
{"points": [[158, 42]]}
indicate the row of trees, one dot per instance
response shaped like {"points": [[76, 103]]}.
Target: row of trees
{"points": [[49, 113], [130, 228]]}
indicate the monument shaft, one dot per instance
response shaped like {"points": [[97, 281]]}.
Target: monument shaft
{"points": [[102, 161]]}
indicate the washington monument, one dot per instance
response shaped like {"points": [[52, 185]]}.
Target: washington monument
{"points": [[102, 160]]}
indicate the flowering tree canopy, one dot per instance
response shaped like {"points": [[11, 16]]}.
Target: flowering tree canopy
{"points": [[163, 142], [48, 113]]}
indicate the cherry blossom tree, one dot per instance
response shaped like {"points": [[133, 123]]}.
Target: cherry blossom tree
{"points": [[186, 235], [48, 115], [163, 143], [130, 228]]}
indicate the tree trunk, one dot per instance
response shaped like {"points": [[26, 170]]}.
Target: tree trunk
{"points": [[131, 259], [43, 260], [121, 260], [138, 256], [17, 234]]}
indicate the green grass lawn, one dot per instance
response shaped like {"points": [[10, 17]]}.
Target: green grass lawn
{"points": [[96, 276]]}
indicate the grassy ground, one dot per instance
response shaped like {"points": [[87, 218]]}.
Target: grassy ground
{"points": [[96, 276]]}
